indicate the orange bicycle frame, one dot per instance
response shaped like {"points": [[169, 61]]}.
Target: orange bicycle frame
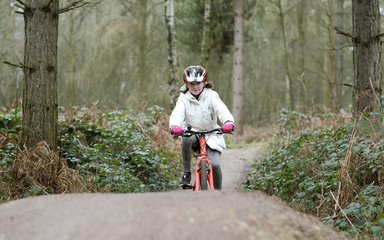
{"points": [[203, 167], [203, 159]]}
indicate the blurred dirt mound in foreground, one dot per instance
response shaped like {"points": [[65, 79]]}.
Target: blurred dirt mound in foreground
{"points": [[162, 215]]}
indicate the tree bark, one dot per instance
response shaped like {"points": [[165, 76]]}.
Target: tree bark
{"points": [[334, 70], [331, 71], [366, 57], [289, 82], [366, 95], [172, 50], [143, 45], [205, 43], [338, 24], [40, 104], [238, 66], [2, 66], [301, 24], [71, 64], [7, 78]]}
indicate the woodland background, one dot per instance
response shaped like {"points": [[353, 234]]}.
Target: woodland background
{"points": [[115, 53], [298, 65]]}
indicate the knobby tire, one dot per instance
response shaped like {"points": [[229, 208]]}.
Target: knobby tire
{"points": [[203, 176]]}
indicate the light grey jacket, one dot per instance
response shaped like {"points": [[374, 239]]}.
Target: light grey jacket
{"points": [[202, 114]]}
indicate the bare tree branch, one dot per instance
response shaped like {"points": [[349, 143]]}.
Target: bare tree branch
{"points": [[380, 35], [20, 65], [49, 4], [74, 5], [344, 33], [19, 6], [22, 3], [14, 65]]}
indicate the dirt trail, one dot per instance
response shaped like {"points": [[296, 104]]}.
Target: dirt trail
{"points": [[226, 214], [237, 162]]}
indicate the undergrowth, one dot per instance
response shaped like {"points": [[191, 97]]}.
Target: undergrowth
{"points": [[118, 151], [306, 167]]}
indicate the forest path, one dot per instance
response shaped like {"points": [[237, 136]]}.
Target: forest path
{"points": [[226, 214]]}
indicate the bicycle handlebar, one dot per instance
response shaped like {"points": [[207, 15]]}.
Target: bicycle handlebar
{"points": [[190, 132]]}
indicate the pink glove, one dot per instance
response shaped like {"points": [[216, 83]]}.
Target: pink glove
{"points": [[227, 127], [176, 131]]}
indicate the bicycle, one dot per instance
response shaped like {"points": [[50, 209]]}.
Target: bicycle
{"points": [[203, 170]]}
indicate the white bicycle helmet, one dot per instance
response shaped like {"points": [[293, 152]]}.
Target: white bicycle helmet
{"points": [[195, 74]]}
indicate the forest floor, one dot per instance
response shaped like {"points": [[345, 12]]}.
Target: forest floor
{"points": [[184, 214]]}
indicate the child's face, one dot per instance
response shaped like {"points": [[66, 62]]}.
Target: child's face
{"points": [[195, 87]]}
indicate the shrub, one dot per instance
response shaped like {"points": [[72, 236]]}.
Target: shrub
{"points": [[10, 126], [305, 169], [116, 148], [112, 149]]}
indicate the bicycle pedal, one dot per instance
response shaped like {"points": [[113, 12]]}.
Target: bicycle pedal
{"points": [[186, 186]]}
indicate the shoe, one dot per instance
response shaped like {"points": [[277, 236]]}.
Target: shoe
{"points": [[186, 179]]}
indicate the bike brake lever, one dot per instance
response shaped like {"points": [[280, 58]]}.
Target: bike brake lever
{"points": [[187, 134]]}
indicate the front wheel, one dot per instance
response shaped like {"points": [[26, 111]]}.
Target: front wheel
{"points": [[203, 175]]}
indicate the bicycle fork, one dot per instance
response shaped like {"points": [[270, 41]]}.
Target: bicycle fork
{"points": [[198, 174], [203, 159]]}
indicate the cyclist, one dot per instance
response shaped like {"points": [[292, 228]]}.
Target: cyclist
{"points": [[200, 108]]}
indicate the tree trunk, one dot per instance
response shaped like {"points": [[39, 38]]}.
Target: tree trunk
{"points": [[8, 87], [205, 43], [71, 64], [289, 82], [366, 93], [2, 52], [301, 23], [366, 57], [238, 66], [70, 85], [40, 86], [143, 48], [316, 93], [331, 71], [172, 50], [338, 24], [334, 70]]}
